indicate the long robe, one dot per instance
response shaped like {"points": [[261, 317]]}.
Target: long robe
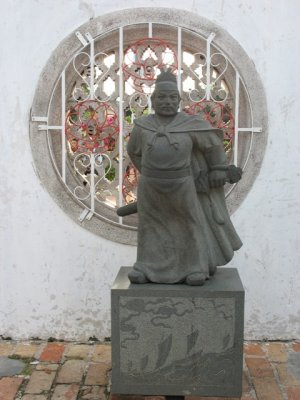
{"points": [[180, 231]]}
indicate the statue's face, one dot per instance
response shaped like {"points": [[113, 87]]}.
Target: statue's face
{"points": [[165, 103]]}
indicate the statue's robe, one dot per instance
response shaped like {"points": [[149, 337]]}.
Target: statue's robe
{"points": [[180, 230]]}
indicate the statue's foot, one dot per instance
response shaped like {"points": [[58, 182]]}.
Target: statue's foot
{"points": [[137, 277], [196, 279]]}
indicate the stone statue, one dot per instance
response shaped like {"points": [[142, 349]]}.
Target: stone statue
{"points": [[184, 229]]}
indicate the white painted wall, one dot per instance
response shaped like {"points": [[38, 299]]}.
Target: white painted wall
{"points": [[55, 276]]}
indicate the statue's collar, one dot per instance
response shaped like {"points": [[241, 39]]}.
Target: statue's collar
{"points": [[182, 123]]}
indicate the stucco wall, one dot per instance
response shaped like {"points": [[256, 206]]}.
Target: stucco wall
{"points": [[55, 276]]}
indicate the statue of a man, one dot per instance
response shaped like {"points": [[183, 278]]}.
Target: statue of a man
{"points": [[184, 229]]}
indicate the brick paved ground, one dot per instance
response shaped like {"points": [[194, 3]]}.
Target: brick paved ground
{"points": [[69, 371]]}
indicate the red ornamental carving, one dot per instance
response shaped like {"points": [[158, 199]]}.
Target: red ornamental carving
{"points": [[92, 127], [219, 116], [144, 59]]}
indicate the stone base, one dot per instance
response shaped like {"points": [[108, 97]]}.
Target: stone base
{"points": [[178, 339]]}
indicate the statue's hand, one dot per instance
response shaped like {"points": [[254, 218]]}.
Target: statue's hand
{"points": [[217, 178]]}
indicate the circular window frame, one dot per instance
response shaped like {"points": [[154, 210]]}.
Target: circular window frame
{"points": [[44, 167]]}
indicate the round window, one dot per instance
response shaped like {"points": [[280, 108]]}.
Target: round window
{"points": [[101, 78]]}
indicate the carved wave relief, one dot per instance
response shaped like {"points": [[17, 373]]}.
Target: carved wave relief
{"points": [[177, 339]]}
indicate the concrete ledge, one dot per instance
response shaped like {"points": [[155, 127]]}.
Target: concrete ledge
{"points": [[178, 339]]}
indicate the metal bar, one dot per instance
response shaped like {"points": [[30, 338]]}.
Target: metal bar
{"points": [[49, 127], [236, 118], [149, 104], [89, 216], [150, 30], [84, 214], [150, 34], [55, 127], [92, 183], [252, 132], [63, 129], [92, 62], [179, 57], [252, 129], [42, 127], [121, 117], [81, 38], [39, 119], [208, 61]]}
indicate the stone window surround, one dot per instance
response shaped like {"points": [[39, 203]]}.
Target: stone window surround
{"points": [[70, 45]]}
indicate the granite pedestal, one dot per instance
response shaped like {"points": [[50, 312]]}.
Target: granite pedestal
{"points": [[178, 340]]}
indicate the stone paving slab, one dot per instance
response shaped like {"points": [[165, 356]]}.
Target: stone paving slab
{"points": [[71, 372], [259, 367], [93, 393], [65, 392], [39, 382], [79, 351], [293, 393], [102, 353], [6, 349], [52, 352], [97, 374], [253, 349], [26, 350], [277, 352], [9, 387], [74, 371], [10, 367], [267, 389], [296, 346], [47, 367]]}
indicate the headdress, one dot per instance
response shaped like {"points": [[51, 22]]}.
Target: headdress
{"points": [[166, 80]]}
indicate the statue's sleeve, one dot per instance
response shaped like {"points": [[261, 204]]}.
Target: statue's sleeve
{"points": [[210, 144], [134, 148]]}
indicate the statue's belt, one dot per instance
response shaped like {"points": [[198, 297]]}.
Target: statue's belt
{"points": [[233, 173], [166, 174]]}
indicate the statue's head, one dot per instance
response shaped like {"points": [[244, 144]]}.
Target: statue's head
{"points": [[166, 98]]}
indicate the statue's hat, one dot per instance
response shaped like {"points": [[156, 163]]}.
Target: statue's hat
{"points": [[166, 80]]}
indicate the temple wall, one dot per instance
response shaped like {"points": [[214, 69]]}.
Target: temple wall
{"points": [[55, 277]]}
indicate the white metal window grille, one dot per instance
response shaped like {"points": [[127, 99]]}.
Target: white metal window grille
{"points": [[108, 83]]}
